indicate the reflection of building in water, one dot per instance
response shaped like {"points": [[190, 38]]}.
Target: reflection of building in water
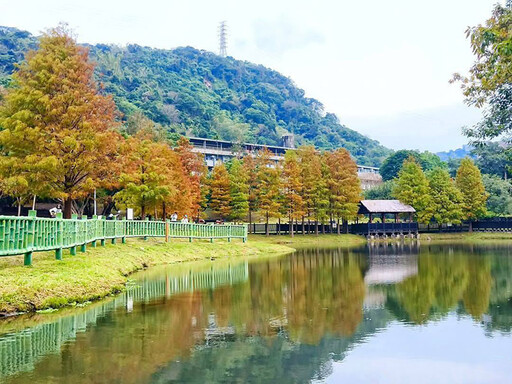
{"points": [[391, 263]]}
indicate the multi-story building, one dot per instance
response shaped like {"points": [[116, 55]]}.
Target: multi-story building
{"points": [[216, 151]]}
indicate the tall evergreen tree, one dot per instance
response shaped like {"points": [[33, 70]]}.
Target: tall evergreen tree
{"points": [[344, 186], [55, 110], [250, 168], [292, 187], [469, 181], [220, 191], [310, 175], [412, 188], [145, 180], [446, 200], [239, 185], [196, 173], [268, 192]]}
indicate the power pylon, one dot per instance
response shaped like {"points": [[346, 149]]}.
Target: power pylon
{"points": [[223, 39]]}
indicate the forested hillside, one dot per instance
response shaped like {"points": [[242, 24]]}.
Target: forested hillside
{"points": [[198, 93]]}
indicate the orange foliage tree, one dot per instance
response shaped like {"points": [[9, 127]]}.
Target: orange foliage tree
{"points": [[56, 122]]}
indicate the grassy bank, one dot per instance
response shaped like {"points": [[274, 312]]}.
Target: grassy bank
{"points": [[103, 271], [304, 241], [467, 237]]}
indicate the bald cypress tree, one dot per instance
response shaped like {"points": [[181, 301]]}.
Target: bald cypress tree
{"points": [[220, 189], [412, 188], [447, 200], [469, 181], [56, 121], [239, 186]]}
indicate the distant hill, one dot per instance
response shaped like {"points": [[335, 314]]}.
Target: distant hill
{"points": [[199, 93], [459, 153]]}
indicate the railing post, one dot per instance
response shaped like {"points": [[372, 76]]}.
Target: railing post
{"points": [[60, 236], [83, 246], [103, 229], [95, 222], [72, 250], [123, 239], [30, 237], [114, 239], [146, 226]]}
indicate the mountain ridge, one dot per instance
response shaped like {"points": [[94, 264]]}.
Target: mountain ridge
{"points": [[198, 93]]}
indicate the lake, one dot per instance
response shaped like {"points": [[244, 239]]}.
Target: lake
{"points": [[383, 313]]}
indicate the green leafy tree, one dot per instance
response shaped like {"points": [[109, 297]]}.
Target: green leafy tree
{"points": [[412, 188], [469, 182], [393, 163], [383, 191], [499, 202], [446, 199], [492, 158], [489, 79], [239, 186], [429, 161]]}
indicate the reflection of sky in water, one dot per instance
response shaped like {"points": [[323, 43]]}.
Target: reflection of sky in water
{"points": [[454, 350], [381, 314]]}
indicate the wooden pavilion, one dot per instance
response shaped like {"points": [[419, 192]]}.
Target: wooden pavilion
{"points": [[381, 208]]}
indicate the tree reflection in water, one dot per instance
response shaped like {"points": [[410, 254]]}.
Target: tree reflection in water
{"points": [[287, 320]]}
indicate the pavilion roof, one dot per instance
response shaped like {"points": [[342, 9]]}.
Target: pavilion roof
{"points": [[384, 206]]}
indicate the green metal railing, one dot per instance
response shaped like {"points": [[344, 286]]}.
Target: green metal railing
{"points": [[25, 235]]}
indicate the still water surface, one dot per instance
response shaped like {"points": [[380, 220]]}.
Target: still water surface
{"points": [[380, 314]]}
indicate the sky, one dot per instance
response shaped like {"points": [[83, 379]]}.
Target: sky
{"points": [[383, 67]]}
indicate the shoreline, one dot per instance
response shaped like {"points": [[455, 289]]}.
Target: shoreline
{"points": [[104, 271]]}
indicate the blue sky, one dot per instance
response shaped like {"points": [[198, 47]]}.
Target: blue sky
{"points": [[382, 66]]}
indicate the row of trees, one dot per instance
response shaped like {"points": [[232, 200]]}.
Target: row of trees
{"points": [[308, 185], [437, 196], [62, 138]]}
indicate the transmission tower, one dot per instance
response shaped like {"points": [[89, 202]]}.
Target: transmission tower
{"points": [[223, 39]]}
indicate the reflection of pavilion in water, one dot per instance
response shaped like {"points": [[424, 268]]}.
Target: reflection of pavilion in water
{"points": [[388, 264], [391, 263]]}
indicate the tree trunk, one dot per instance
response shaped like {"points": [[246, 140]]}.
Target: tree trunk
{"points": [[266, 227], [19, 206], [164, 211], [291, 226], [316, 227], [303, 229], [470, 226], [323, 227], [338, 226], [279, 226], [250, 220], [68, 204], [143, 212]]}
